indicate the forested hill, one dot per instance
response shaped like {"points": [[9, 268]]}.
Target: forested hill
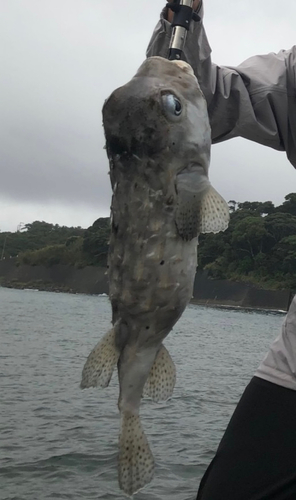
{"points": [[41, 243], [258, 247]]}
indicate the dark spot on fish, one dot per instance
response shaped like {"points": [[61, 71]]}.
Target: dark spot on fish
{"points": [[114, 310], [116, 146], [114, 227], [162, 263], [147, 327], [121, 329], [135, 185], [131, 386]]}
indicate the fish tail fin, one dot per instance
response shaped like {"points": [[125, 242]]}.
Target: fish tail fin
{"points": [[162, 377], [136, 463], [214, 216], [101, 362]]}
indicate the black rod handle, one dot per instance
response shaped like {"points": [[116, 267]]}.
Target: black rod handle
{"points": [[183, 15]]}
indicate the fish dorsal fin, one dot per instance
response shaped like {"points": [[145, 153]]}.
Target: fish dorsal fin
{"points": [[214, 212]]}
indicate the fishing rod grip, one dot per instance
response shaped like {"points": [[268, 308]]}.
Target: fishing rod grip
{"points": [[183, 15]]}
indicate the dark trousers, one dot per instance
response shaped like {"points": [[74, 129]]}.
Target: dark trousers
{"points": [[256, 458]]}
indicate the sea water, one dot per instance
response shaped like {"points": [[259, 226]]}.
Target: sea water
{"points": [[58, 442]]}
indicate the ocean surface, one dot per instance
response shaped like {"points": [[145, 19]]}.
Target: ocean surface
{"points": [[58, 442]]}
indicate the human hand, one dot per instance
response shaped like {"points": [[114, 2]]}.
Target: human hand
{"points": [[171, 14]]}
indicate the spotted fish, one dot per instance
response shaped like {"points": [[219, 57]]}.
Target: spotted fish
{"points": [[158, 142]]}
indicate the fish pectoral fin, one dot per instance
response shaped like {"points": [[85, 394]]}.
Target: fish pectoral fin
{"points": [[136, 463], [191, 184], [214, 212], [100, 363], [162, 377]]}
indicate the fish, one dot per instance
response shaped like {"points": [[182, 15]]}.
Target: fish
{"points": [[158, 141]]}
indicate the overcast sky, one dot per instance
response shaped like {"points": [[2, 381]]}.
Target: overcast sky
{"points": [[60, 59]]}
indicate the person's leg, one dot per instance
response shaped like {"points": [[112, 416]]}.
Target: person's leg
{"points": [[256, 459]]}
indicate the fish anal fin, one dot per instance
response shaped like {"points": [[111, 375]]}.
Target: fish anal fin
{"points": [[135, 461], [162, 377], [214, 212], [100, 363]]}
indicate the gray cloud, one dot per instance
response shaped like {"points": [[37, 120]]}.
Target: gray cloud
{"points": [[61, 59]]}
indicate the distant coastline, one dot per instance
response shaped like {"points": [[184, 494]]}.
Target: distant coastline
{"points": [[93, 280]]}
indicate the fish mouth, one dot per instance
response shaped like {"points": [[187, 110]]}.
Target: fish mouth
{"points": [[125, 148], [148, 143], [117, 146]]}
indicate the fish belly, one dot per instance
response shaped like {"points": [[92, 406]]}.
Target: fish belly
{"points": [[152, 270]]}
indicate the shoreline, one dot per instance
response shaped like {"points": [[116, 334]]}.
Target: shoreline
{"points": [[235, 307], [42, 287], [93, 280], [213, 304]]}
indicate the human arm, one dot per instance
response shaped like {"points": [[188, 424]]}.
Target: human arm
{"points": [[255, 100]]}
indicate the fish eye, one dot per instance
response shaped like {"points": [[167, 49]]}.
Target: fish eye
{"points": [[171, 104]]}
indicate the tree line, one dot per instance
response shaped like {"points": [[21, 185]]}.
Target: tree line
{"points": [[41, 243], [259, 245]]}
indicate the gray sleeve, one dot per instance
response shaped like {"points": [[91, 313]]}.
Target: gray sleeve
{"points": [[255, 100], [279, 364]]}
